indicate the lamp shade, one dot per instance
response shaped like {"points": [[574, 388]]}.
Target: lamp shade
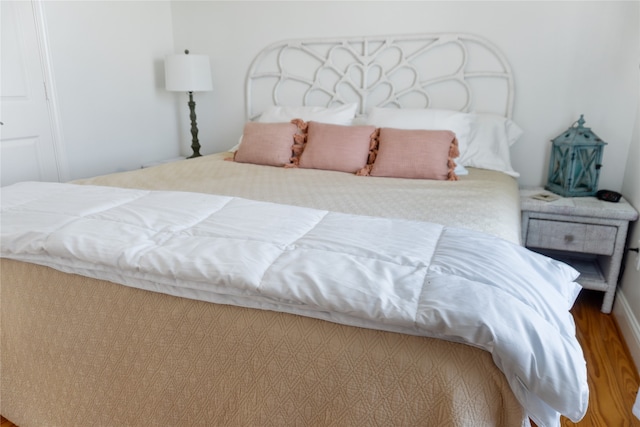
{"points": [[187, 73]]}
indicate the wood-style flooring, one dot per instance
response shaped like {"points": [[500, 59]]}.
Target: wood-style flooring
{"points": [[613, 378]]}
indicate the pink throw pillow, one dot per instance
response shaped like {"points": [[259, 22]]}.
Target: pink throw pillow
{"points": [[422, 154], [266, 143], [336, 147]]}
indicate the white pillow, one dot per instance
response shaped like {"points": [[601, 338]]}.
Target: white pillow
{"points": [[460, 170], [339, 115], [235, 147], [489, 143], [424, 118]]}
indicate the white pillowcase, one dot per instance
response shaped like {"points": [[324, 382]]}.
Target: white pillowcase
{"points": [[339, 115], [489, 143], [424, 118], [460, 170]]}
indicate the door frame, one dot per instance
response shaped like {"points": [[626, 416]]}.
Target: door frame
{"points": [[53, 109]]}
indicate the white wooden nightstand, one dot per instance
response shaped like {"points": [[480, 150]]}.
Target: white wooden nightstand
{"points": [[585, 232]]}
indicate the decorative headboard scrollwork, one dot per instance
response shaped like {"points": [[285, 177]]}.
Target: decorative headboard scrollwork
{"points": [[454, 71]]}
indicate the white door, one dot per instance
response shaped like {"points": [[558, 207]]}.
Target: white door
{"points": [[27, 150]]}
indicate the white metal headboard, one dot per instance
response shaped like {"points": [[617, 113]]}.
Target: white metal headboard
{"points": [[454, 71]]}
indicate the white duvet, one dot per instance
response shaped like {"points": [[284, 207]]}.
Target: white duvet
{"points": [[396, 275]]}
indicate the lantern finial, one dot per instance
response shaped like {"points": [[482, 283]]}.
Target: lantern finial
{"points": [[581, 121]]}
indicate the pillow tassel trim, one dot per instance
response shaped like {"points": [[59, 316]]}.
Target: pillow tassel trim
{"points": [[299, 141], [302, 125], [454, 152], [232, 158], [373, 153]]}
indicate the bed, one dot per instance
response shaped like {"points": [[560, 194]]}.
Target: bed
{"points": [[90, 336]]}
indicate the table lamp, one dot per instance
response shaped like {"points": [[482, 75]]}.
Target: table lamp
{"points": [[189, 73]]}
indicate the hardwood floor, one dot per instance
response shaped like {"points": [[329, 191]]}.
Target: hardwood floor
{"points": [[613, 378]]}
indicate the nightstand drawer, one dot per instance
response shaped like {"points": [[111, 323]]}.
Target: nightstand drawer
{"points": [[571, 236]]}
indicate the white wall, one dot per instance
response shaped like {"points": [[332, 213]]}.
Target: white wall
{"points": [[569, 58], [107, 60], [627, 305]]}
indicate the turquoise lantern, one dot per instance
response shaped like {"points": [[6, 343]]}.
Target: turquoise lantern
{"points": [[576, 159]]}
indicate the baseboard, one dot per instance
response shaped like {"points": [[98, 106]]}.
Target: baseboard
{"points": [[629, 327]]}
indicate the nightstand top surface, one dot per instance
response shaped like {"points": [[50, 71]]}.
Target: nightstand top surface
{"points": [[582, 206]]}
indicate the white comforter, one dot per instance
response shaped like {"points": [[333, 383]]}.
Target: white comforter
{"points": [[396, 275]]}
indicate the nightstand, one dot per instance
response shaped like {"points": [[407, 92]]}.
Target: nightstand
{"points": [[586, 233]]}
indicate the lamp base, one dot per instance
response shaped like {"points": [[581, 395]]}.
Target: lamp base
{"points": [[195, 144]]}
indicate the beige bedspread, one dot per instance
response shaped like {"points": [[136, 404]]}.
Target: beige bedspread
{"points": [[484, 200], [78, 351]]}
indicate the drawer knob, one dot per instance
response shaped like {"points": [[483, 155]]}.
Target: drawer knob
{"points": [[568, 238]]}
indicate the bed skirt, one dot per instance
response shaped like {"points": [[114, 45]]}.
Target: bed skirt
{"points": [[78, 351]]}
